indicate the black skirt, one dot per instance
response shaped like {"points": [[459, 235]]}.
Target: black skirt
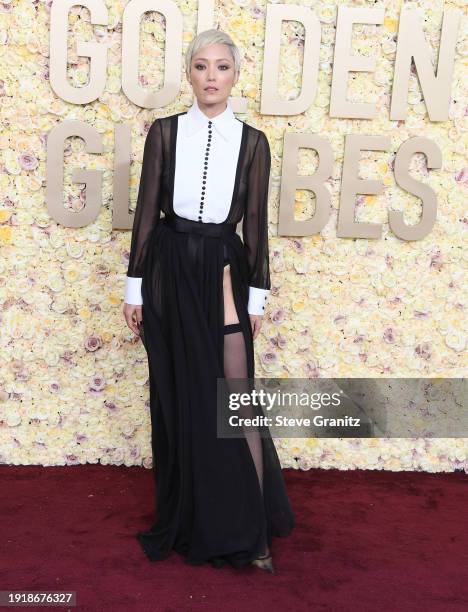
{"points": [[210, 506]]}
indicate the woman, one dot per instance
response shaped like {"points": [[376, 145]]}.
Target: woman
{"points": [[196, 294]]}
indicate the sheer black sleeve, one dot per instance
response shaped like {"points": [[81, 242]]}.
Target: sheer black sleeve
{"points": [[148, 210], [255, 220]]}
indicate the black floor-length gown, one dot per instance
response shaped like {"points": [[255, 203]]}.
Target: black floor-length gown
{"points": [[218, 499]]}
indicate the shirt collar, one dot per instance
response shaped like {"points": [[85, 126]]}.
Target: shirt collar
{"points": [[224, 123]]}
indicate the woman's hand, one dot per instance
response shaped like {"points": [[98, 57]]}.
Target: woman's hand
{"points": [[133, 316], [256, 323]]}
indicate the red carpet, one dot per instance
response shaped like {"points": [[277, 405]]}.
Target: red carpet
{"points": [[365, 540]]}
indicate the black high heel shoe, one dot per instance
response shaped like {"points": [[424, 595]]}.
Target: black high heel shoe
{"points": [[264, 562]]}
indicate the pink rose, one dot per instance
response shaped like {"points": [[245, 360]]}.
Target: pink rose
{"points": [[28, 161]]}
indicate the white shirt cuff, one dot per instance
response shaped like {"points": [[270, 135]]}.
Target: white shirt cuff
{"points": [[257, 297], [133, 291], [257, 300]]}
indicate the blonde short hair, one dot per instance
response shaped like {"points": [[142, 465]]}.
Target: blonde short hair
{"points": [[211, 37]]}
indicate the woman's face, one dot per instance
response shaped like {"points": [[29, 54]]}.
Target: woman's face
{"points": [[212, 67]]}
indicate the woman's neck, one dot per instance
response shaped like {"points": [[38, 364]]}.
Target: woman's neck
{"points": [[212, 110]]}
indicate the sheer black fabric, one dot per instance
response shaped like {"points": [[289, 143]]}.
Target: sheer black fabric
{"points": [[255, 221], [235, 372], [148, 210], [218, 500]]}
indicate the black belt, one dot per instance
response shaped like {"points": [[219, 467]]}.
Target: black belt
{"points": [[180, 224]]}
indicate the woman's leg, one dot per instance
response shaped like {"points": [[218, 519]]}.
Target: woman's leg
{"points": [[235, 367]]}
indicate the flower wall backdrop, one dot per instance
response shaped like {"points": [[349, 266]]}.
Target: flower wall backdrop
{"points": [[74, 380]]}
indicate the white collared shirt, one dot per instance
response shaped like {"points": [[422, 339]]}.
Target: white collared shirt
{"points": [[192, 138], [218, 170]]}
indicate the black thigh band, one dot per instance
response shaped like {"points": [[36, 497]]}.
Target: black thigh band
{"points": [[232, 328]]}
